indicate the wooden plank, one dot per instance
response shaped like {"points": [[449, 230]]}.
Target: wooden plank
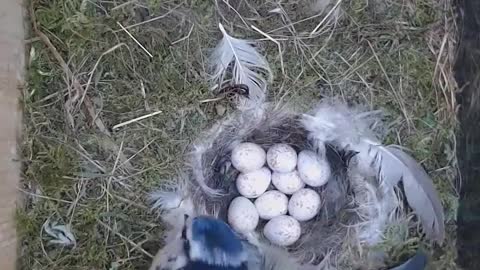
{"points": [[12, 55]]}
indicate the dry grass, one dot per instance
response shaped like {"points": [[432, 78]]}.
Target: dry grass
{"points": [[115, 93]]}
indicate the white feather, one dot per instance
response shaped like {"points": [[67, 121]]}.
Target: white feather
{"points": [[61, 234], [165, 200], [246, 64], [333, 121], [349, 127], [172, 256], [374, 208], [173, 202], [392, 165]]}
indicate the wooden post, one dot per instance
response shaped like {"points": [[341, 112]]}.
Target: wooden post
{"points": [[467, 74]]}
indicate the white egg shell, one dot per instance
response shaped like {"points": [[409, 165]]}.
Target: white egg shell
{"points": [[242, 215], [287, 183], [313, 170], [271, 204], [281, 158], [254, 184], [282, 230], [247, 157], [304, 204]]}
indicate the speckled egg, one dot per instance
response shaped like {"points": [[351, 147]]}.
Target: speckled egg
{"points": [[304, 204], [255, 183], [282, 230], [247, 157], [287, 183], [242, 215], [281, 158], [271, 204], [313, 170]]}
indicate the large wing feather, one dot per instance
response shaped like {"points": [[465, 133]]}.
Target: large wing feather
{"points": [[246, 64], [421, 195], [394, 165], [350, 128]]}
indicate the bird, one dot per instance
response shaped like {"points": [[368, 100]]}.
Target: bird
{"points": [[372, 176], [208, 243], [204, 243]]}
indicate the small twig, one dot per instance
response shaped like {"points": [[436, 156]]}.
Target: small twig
{"points": [[112, 173], [149, 20], [439, 72], [326, 17], [276, 42], [73, 207], [394, 92], [47, 198], [185, 37], [144, 95], [139, 206], [68, 72], [136, 119], [236, 12], [295, 23], [95, 68], [134, 39], [124, 4], [211, 100], [135, 245], [137, 153]]}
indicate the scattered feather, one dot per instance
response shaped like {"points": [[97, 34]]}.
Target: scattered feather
{"points": [[246, 65], [373, 207], [394, 165], [61, 234], [422, 196], [351, 128], [335, 122], [172, 256], [165, 200]]}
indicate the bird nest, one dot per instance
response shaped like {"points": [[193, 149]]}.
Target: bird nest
{"points": [[358, 202], [214, 169]]}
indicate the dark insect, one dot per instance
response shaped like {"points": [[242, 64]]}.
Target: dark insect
{"points": [[231, 91]]}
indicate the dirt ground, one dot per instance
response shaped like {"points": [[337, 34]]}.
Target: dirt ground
{"points": [[96, 67]]}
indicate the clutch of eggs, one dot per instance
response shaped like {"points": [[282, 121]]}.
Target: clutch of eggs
{"points": [[270, 178]]}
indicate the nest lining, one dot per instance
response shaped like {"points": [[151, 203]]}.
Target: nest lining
{"points": [[332, 229]]}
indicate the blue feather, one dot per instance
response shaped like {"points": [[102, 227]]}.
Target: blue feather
{"points": [[214, 233], [212, 241], [206, 266]]}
